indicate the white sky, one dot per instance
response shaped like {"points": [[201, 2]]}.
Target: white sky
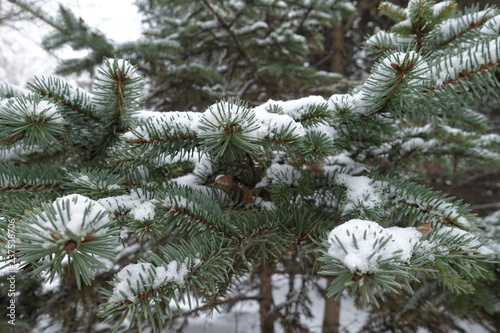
{"points": [[22, 57], [118, 19]]}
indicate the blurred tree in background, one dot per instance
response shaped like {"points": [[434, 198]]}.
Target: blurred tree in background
{"points": [[193, 54]]}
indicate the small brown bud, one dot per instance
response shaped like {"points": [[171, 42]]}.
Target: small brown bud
{"points": [[425, 228], [88, 239], [70, 245], [396, 67]]}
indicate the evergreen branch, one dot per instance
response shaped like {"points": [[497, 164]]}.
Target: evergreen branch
{"points": [[465, 75], [72, 228], [8, 91], [235, 39], [162, 140], [138, 284], [118, 89], [198, 219], [37, 12], [420, 24], [14, 177], [435, 206], [66, 103], [28, 187], [392, 11], [60, 92], [33, 119], [473, 25]]}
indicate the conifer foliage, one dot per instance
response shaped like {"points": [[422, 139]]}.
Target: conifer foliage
{"points": [[177, 208], [194, 53]]}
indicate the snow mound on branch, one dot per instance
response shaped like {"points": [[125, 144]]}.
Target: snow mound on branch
{"points": [[138, 203], [362, 245], [138, 279], [73, 214], [359, 191]]}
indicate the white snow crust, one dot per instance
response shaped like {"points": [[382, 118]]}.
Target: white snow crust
{"points": [[359, 245]]}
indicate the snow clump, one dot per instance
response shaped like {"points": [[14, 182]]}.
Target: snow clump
{"points": [[362, 245]]}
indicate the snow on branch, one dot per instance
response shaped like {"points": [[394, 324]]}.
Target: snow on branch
{"points": [[73, 228], [377, 260], [35, 120], [60, 92], [118, 90], [135, 282], [362, 245], [478, 58], [453, 29], [398, 78]]}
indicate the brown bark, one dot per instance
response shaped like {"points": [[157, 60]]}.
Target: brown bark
{"points": [[331, 319], [266, 302], [337, 61]]}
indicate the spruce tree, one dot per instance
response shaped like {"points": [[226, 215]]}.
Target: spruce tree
{"points": [[194, 53], [180, 211]]}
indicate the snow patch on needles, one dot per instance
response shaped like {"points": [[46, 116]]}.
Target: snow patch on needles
{"points": [[452, 67], [409, 66], [359, 191], [32, 108], [296, 108], [138, 279], [342, 103], [45, 110], [126, 68], [144, 212], [271, 121], [362, 245], [73, 214], [132, 280], [451, 26], [138, 203], [438, 8], [471, 242], [492, 27]]}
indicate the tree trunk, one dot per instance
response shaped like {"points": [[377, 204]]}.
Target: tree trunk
{"points": [[337, 61], [266, 302], [331, 319]]}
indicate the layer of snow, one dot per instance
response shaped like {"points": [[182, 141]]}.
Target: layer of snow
{"points": [[136, 279], [31, 108], [473, 241], [138, 203], [17, 152], [361, 245], [386, 40], [74, 214], [437, 8], [359, 191], [271, 122], [452, 67], [453, 26]]}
